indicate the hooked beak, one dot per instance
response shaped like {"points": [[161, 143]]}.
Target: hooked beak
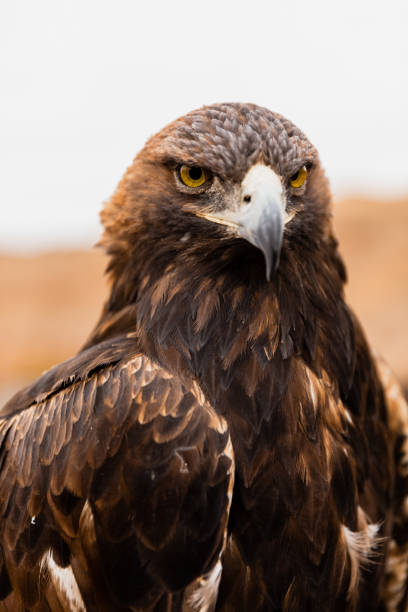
{"points": [[261, 216]]}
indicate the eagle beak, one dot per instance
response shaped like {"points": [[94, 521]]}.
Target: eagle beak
{"points": [[260, 218]]}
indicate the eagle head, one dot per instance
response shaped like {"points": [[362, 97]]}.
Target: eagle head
{"points": [[232, 183]]}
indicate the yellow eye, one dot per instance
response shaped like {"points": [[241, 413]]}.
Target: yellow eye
{"points": [[298, 179], [192, 176]]}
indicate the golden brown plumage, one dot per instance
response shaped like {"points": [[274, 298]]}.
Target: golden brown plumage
{"points": [[225, 366]]}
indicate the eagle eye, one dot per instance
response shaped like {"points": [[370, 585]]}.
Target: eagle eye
{"points": [[192, 176], [298, 179]]}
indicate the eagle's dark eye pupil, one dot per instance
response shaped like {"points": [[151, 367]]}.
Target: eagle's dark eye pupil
{"points": [[195, 173]]}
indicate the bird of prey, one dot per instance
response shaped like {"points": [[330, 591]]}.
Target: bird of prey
{"points": [[225, 440]]}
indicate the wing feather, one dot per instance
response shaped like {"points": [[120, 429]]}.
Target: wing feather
{"points": [[395, 591], [113, 468]]}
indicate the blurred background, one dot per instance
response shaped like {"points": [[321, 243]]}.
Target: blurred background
{"points": [[84, 83]]}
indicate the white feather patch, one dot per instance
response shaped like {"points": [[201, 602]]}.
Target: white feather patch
{"points": [[205, 595], [64, 582], [361, 546], [361, 543]]}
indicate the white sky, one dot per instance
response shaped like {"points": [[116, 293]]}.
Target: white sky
{"points": [[83, 83]]}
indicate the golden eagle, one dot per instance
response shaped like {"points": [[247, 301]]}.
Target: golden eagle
{"points": [[225, 439]]}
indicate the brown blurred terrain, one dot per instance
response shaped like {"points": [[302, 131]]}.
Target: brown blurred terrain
{"points": [[50, 302]]}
